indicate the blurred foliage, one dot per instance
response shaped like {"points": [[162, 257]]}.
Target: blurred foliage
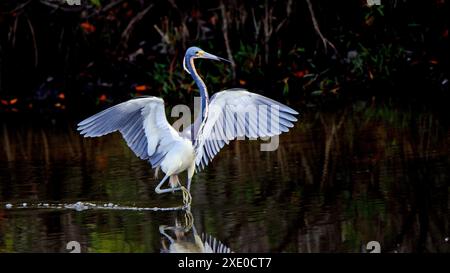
{"points": [[376, 63], [57, 57]]}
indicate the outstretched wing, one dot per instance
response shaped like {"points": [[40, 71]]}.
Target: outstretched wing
{"points": [[212, 245], [237, 113], [142, 123]]}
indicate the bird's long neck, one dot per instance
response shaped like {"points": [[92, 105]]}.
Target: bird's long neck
{"points": [[204, 101], [201, 86]]}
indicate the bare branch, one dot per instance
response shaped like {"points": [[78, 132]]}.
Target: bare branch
{"points": [[33, 36], [126, 33], [226, 39], [18, 8], [325, 41], [267, 21], [257, 25], [111, 5]]}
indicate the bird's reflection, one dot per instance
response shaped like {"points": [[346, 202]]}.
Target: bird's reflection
{"points": [[182, 237]]}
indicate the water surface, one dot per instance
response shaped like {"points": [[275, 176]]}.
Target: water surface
{"points": [[337, 181]]}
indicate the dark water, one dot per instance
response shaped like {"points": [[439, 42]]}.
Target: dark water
{"points": [[337, 181]]}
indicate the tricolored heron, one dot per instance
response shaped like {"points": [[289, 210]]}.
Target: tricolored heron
{"points": [[185, 238], [223, 117]]}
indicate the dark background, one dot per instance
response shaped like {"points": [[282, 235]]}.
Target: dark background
{"points": [[57, 58]]}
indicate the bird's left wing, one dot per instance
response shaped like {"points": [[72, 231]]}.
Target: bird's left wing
{"points": [[237, 113], [142, 123]]}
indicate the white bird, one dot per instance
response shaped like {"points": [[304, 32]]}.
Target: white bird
{"points": [[227, 115], [187, 240]]}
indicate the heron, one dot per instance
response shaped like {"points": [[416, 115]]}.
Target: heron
{"points": [[222, 118], [185, 238]]}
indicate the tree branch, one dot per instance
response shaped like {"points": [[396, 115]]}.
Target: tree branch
{"points": [[325, 41], [226, 39], [126, 33]]}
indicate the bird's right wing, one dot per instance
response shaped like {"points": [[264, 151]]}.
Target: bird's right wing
{"points": [[236, 113], [142, 123]]}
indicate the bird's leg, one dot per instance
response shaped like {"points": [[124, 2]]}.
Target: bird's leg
{"points": [[174, 182], [162, 230], [159, 190], [187, 198], [189, 184], [191, 171]]}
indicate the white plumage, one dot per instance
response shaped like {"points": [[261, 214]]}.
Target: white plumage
{"points": [[229, 114]]}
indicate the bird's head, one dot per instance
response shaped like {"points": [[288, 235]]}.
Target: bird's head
{"points": [[197, 53]]}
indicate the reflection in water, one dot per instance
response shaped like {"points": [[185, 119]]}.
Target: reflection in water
{"points": [[337, 181], [185, 238]]}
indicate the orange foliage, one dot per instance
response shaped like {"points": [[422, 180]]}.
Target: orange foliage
{"points": [[87, 27], [140, 88]]}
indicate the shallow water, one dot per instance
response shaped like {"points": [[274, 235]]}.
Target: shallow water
{"points": [[337, 181]]}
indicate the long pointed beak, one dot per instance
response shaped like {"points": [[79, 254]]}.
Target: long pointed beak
{"points": [[207, 55]]}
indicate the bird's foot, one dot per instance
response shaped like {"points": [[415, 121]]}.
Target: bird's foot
{"points": [[189, 220], [187, 198]]}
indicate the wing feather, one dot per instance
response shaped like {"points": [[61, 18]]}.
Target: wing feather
{"points": [[142, 123], [236, 113]]}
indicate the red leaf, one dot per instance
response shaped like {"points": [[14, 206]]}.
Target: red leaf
{"points": [[299, 74], [87, 27], [140, 88]]}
